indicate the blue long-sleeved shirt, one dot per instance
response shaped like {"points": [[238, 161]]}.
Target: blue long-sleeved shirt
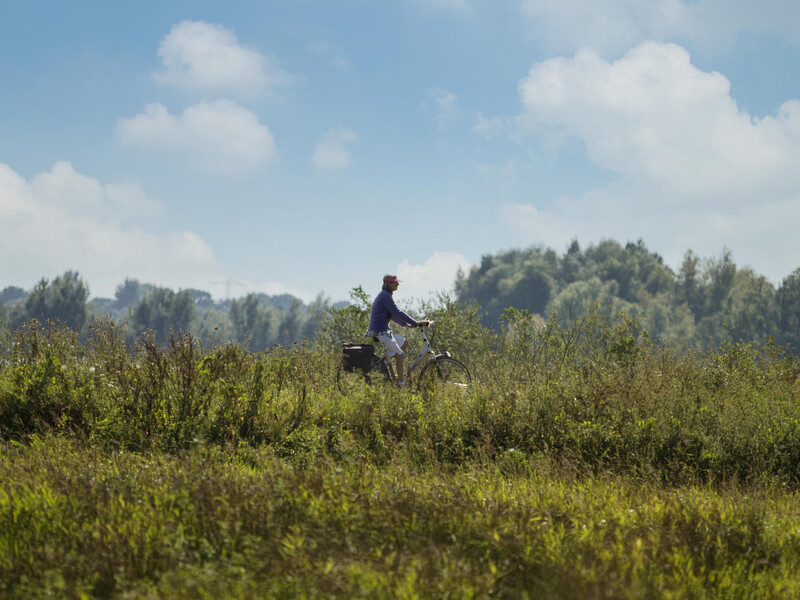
{"points": [[384, 310]]}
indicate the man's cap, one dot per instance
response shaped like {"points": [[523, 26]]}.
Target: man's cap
{"points": [[391, 279]]}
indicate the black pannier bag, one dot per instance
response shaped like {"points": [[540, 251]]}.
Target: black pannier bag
{"points": [[357, 356]]}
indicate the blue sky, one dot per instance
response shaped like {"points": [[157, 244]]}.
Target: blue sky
{"points": [[310, 146]]}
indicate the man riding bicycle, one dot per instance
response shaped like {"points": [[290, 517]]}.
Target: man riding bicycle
{"points": [[385, 310]]}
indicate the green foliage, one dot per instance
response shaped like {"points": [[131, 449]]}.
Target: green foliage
{"points": [[247, 523], [347, 323], [587, 461], [79, 522], [254, 321], [11, 294], [163, 312], [581, 387], [63, 299], [788, 301], [522, 279], [707, 302], [129, 292]]}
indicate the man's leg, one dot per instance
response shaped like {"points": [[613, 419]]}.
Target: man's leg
{"points": [[400, 361]]}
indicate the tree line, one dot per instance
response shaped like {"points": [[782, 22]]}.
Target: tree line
{"points": [[260, 320], [706, 302]]}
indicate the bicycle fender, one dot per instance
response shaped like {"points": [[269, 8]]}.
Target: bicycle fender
{"points": [[442, 355]]}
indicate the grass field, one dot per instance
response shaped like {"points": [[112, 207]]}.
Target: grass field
{"points": [[586, 462]]}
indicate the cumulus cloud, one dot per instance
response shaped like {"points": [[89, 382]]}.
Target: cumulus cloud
{"points": [[613, 26], [72, 191], [62, 220], [436, 274], [331, 152], [207, 58], [652, 115], [222, 136], [682, 149]]}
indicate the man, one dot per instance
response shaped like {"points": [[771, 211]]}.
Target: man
{"points": [[385, 310]]}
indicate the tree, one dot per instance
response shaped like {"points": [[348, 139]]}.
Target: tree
{"points": [[289, 328], [788, 304], [163, 311], [63, 299], [127, 293], [314, 315], [11, 294], [254, 320], [719, 275], [523, 279], [202, 299], [690, 288], [753, 307]]}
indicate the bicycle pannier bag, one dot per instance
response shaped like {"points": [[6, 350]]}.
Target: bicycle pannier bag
{"points": [[357, 356]]}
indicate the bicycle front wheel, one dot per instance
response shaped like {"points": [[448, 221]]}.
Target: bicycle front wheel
{"points": [[444, 374]]}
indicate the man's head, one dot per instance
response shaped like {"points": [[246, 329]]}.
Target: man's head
{"points": [[390, 282]]}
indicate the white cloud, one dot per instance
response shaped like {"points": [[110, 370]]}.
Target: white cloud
{"points": [[488, 127], [683, 151], [331, 151], [208, 58], [72, 191], [652, 115], [62, 220], [444, 105], [436, 274], [221, 136], [613, 26]]}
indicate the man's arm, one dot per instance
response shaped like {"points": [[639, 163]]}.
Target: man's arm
{"points": [[398, 316]]}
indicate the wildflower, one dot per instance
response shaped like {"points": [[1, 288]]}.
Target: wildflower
{"points": [[63, 367], [91, 369]]}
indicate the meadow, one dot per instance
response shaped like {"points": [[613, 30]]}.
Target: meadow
{"points": [[587, 462]]}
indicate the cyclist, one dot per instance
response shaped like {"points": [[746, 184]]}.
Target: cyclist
{"points": [[385, 310]]}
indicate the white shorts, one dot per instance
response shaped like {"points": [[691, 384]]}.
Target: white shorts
{"points": [[393, 343]]}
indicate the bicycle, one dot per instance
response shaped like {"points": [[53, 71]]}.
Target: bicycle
{"points": [[438, 371]]}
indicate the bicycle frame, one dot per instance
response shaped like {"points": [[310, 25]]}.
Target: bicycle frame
{"points": [[425, 352], [435, 370]]}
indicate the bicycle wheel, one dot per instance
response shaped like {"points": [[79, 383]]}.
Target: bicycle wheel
{"points": [[444, 374], [350, 382]]}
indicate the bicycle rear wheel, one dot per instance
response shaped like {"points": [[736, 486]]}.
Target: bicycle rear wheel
{"points": [[352, 382], [442, 374]]}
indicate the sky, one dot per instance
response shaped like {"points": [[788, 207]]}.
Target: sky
{"points": [[310, 146]]}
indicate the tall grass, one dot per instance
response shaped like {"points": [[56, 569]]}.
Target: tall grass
{"points": [[598, 395], [249, 524], [585, 462]]}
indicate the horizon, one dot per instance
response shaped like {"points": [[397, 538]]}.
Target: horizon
{"points": [[228, 296]]}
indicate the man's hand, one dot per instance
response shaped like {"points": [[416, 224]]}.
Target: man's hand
{"points": [[424, 323]]}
